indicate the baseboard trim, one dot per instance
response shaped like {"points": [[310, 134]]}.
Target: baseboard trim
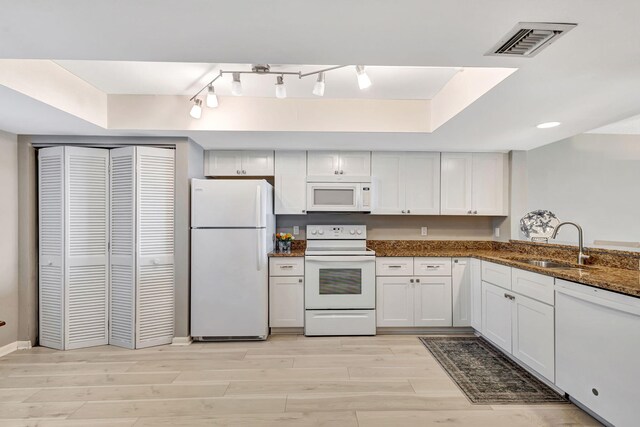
{"points": [[9, 348], [287, 331], [181, 341], [437, 330], [24, 345]]}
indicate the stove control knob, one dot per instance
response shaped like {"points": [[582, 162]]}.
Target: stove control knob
{"points": [[359, 232], [314, 232], [321, 232], [352, 231]]}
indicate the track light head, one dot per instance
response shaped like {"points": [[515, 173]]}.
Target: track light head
{"points": [[212, 98], [236, 85], [318, 88], [281, 90], [196, 110], [363, 79]]}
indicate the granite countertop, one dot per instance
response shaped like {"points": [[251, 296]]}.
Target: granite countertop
{"points": [[294, 252], [608, 276]]}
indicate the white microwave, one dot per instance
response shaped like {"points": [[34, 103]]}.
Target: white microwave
{"points": [[339, 196]]}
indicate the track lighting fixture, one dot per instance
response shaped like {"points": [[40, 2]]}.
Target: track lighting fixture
{"points": [[281, 90], [212, 99], [318, 88], [196, 110], [236, 85], [363, 79]]}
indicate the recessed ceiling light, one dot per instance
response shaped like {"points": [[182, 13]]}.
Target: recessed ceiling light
{"points": [[548, 125]]}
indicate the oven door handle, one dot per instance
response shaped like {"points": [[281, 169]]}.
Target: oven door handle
{"points": [[330, 258]]}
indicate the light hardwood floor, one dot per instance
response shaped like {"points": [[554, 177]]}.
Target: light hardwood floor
{"points": [[285, 381]]}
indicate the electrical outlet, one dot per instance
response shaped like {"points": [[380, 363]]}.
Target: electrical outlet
{"points": [[423, 231], [497, 232], [296, 230]]}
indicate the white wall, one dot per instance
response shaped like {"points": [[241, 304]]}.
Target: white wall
{"points": [[590, 179], [8, 237]]}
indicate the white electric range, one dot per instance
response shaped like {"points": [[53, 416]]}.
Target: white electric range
{"points": [[340, 281]]}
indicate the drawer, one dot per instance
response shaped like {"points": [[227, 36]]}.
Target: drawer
{"points": [[497, 274], [394, 266], [340, 322], [286, 266], [533, 285], [432, 266]]}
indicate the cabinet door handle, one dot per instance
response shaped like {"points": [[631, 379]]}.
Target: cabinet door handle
{"points": [[303, 211], [341, 172], [286, 266], [469, 212], [335, 172], [403, 211], [395, 266], [238, 172], [433, 266], [408, 210], [475, 212], [417, 280], [511, 297], [244, 172], [299, 280], [410, 280]]}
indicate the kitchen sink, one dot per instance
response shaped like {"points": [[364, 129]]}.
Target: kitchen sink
{"points": [[550, 264]]}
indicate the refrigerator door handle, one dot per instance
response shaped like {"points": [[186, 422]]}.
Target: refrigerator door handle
{"points": [[258, 206], [260, 250]]}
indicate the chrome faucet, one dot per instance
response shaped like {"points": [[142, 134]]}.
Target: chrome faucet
{"points": [[581, 256]]}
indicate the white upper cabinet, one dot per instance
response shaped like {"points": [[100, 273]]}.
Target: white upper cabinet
{"points": [[422, 186], [456, 181], [406, 183], [238, 163], [388, 177], [290, 182], [474, 184], [488, 184], [340, 163]]}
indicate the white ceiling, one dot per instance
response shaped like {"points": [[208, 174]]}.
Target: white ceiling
{"points": [[630, 126], [587, 79], [181, 78]]}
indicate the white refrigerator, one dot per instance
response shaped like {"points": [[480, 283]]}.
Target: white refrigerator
{"points": [[232, 230]]}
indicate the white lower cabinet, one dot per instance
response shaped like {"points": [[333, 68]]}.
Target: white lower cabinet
{"points": [[476, 293], [461, 291], [395, 306], [496, 316], [286, 302], [286, 292], [533, 335], [432, 301], [520, 326]]}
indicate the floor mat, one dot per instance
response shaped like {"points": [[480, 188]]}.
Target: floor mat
{"points": [[486, 375]]}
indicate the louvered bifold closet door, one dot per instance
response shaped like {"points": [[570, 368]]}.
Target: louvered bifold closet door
{"points": [[86, 246], [155, 173], [123, 255], [51, 248]]}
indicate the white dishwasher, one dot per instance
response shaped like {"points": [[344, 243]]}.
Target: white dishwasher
{"points": [[598, 350]]}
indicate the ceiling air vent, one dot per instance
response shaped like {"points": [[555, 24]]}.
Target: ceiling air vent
{"points": [[527, 39]]}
